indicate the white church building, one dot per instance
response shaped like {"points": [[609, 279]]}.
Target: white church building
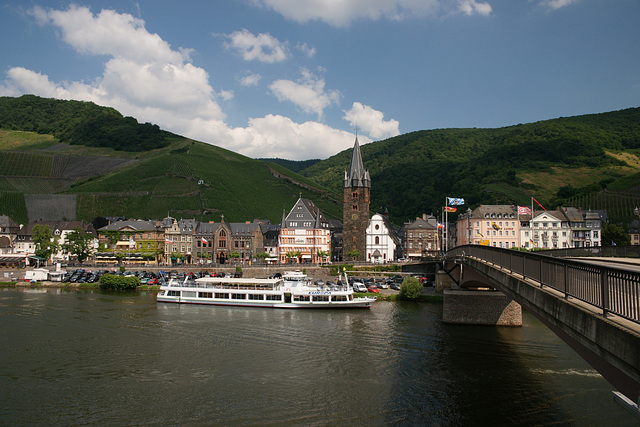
{"points": [[382, 240]]}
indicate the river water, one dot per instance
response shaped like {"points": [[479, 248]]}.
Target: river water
{"points": [[90, 357]]}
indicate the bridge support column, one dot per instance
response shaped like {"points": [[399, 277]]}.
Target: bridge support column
{"points": [[480, 308], [444, 281]]}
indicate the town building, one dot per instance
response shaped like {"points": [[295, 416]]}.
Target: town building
{"points": [[382, 240], [304, 234], [178, 240], [355, 207], [420, 237], [133, 241], [246, 241], [8, 233], [489, 225]]}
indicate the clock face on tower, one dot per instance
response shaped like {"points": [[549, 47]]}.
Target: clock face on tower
{"points": [[354, 216]]}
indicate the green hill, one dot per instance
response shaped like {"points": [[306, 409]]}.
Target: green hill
{"points": [[119, 175], [413, 173], [85, 160]]}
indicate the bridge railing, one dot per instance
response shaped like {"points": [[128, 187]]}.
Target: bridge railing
{"points": [[613, 290]]}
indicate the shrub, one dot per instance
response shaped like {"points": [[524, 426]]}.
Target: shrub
{"points": [[118, 283], [411, 288]]}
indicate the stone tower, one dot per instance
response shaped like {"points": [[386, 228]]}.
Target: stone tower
{"points": [[355, 206]]}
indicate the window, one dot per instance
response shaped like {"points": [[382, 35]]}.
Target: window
{"points": [[377, 227], [222, 295], [377, 240], [354, 194]]}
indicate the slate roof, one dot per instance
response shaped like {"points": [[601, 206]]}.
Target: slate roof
{"points": [[356, 175]]}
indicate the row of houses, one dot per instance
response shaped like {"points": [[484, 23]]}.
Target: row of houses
{"points": [[509, 226]]}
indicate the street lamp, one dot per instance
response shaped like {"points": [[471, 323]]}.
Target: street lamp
{"points": [[636, 211]]}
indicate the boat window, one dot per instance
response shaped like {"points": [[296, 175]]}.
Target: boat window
{"points": [[222, 295], [302, 298], [321, 298], [238, 296], [274, 298], [339, 298], [173, 293], [188, 294], [205, 295], [256, 296]]}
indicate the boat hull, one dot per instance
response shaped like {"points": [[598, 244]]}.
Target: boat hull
{"points": [[367, 303]]}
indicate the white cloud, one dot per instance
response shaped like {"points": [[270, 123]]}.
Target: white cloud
{"points": [[307, 50], [226, 95], [371, 121], [343, 13], [263, 47], [278, 136], [472, 7], [557, 4], [307, 93], [250, 80], [147, 79]]}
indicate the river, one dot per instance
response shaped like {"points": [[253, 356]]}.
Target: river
{"points": [[90, 357]]}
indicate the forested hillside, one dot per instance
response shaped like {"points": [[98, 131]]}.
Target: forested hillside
{"points": [[414, 172], [114, 166], [80, 123]]}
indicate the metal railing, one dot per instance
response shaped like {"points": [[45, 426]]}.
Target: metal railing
{"points": [[611, 289]]}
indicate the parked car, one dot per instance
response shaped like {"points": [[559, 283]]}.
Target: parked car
{"points": [[359, 287], [395, 286], [373, 288]]}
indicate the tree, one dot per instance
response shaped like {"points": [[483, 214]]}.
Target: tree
{"points": [[46, 244], [613, 235], [78, 243], [411, 288], [353, 253], [262, 256], [294, 254], [235, 255], [323, 255]]}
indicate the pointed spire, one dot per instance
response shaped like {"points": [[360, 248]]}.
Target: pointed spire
{"points": [[356, 176]]}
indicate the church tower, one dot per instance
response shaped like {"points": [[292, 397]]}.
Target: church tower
{"points": [[355, 206]]}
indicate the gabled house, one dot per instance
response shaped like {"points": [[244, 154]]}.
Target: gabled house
{"points": [[420, 236], [305, 235]]}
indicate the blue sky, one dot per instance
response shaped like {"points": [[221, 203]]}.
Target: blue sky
{"points": [[295, 79]]}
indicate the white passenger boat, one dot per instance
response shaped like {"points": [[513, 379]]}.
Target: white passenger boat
{"points": [[293, 290]]}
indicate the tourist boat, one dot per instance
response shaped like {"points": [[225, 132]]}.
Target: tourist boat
{"points": [[293, 290]]}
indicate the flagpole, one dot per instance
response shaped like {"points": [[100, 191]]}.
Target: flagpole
{"points": [[446, 226], [531, 225]]}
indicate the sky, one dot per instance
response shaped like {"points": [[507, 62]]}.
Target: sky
{"points": [[299, 79]]}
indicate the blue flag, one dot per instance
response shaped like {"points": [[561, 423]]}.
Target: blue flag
{"points": [[455, 201]]}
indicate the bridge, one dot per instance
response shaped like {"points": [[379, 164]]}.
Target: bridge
{"points": [[593, 306]]}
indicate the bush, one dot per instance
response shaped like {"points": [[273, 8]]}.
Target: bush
{"points": [[411, 288], [119, 283]]}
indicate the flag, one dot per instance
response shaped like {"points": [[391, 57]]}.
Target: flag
{"points": [[204, 241], [450, 209], [524, 210], [167, 240], [480, 234], [440, 225], [538, 204], [455, 201], [495, 226]]}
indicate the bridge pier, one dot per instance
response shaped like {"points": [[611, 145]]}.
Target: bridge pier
{"points": [[480, 308]]}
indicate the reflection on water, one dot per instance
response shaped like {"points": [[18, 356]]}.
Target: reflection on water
{"points": [[90, 357]]}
